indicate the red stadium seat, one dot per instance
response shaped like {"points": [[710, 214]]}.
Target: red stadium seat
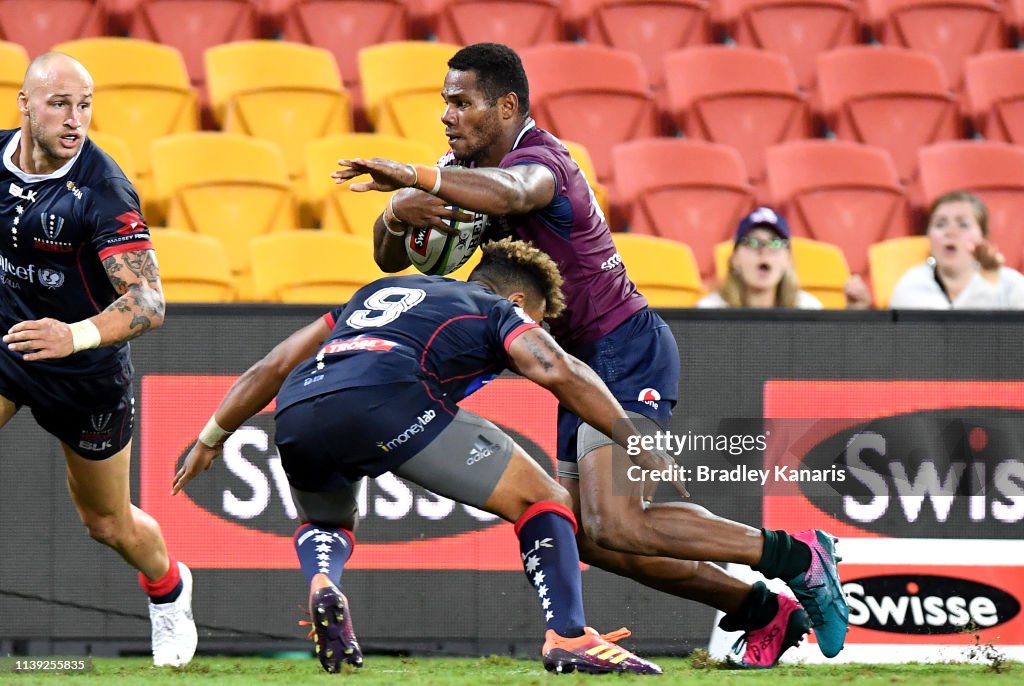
{"points": [[516, 23], [994, 86], [648, 28], [742, 97], [192, 26], [591, 94], [952, 30], [798, 29], [994, 172], [894, 98], [39, 24], [345, 27], [690, 191], [840, 192]]}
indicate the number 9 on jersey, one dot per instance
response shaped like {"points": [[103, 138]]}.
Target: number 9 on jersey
{"points": [[435, 252]]}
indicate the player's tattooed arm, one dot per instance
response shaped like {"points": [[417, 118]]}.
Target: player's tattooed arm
{"points": [[140, 307]]}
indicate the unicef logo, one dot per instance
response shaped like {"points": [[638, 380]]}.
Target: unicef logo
{"points": [[51, 278]]}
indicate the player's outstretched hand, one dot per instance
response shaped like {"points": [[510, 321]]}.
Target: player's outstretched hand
{"points": [[198, 460], [419, 208], [657, 460], [41, 339], [385, 175]]}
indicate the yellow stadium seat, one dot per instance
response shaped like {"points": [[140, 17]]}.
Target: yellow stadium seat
{"points": [[117, 148], [339, 208], [890, 260], [663, 270], [288, 93], [821, 269], [13, 63], [142, 92], [402, 83], [193, 267], [225, 185], [311, 266], [581, 157]]}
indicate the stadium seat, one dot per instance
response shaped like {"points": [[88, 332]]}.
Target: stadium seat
{"points": [[798, 29], [952, 30], [894, 98], [345, 27], [890, 260], [592, 94], [690, 191], [193, 267], [287, 93], [665, 271], [841, 192], [38, 24], [13, 63], [401, 86], [742, 97], [994, 172], [192, 26], [117, 148], [311, 267], [994, 86], [516, 23], [821, 269], [142, 92], [225, 185], [582, 158], [648, 28], [1013, 14], [339, 208]]}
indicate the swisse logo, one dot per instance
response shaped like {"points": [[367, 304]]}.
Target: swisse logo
{"points": [[418, 240], [927, 604], [930, 474]]}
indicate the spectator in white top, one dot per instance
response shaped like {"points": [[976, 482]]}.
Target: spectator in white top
{"points": [[761, 271], [965, 270]]}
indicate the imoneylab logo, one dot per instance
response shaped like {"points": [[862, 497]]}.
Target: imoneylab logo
{"points": [[416, 427]]}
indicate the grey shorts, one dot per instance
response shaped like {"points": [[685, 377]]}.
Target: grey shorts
{"points": [[590, 439], [465, 463]]}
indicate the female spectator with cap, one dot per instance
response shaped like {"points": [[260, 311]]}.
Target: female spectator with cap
{"points": [[965, 270], [761, 271]]}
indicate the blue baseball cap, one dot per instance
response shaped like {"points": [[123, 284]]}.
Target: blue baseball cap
{"points": [[763, 217]]}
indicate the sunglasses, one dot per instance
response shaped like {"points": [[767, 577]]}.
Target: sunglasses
{"points": [[755, 243]]}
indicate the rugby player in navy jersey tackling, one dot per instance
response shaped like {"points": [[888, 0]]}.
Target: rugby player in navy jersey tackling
{"points": [[503, 165], [78, 279], [372, 387]]}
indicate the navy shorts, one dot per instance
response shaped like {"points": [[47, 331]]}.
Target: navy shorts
{"points": [[639, 362], [93, 414], [330, 441]]}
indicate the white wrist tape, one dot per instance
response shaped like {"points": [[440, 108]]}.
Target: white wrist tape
{"points": [[84, 335], [213, 434]]}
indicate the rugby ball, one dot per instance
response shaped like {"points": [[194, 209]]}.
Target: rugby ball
{"points": [[438, 253]]}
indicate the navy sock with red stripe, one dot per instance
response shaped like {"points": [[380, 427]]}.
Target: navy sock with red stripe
{"points": [[323, 550], [547, 543]]}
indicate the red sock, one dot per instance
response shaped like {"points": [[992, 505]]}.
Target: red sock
{"points": [[165, 584]]}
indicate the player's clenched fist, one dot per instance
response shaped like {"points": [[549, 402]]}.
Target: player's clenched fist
{"points": [[41, 339]]}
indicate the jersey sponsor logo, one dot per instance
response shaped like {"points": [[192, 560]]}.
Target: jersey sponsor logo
{"points": [[417, 427], [927, 604], [649, 396], [52, 246], [611, 263], [74, 190], [131, 223], [357, 345], [481, 450], [23, 273], [52, 224], [19, 192], [51, 278]]}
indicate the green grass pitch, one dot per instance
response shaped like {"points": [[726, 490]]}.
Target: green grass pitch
{"points": [[499, 671]]}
